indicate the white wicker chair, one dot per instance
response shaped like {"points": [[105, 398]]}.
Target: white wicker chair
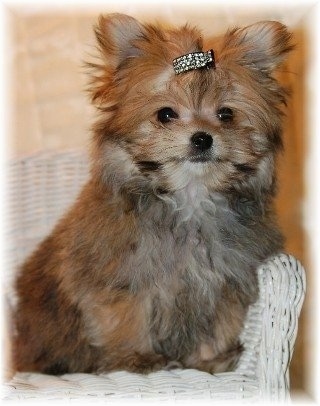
{"points": [[40, 188]]}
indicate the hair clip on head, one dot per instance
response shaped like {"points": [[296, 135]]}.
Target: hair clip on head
{"points": [[194, 60]]}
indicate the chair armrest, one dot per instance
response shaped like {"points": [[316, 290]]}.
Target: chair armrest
{"points": [[282, 286]]}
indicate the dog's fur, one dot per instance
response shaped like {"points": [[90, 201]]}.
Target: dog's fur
{"points": [[155, 264]]}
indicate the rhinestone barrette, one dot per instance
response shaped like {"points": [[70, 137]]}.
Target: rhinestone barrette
{"points": [[194, 60]]}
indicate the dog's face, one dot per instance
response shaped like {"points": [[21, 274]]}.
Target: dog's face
{"points": [[217, 127]]}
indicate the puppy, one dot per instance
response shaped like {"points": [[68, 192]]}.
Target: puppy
{"points": [[155, 264]]}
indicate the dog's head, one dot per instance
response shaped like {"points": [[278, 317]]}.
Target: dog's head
{"points": [[218, 127]]}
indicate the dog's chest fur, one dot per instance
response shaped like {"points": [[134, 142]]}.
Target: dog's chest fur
{"points": [[191, 246]]}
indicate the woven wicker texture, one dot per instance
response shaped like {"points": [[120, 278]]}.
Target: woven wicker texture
{"points": [[40, 188]]}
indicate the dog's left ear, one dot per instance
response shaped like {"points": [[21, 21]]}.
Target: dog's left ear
{"points": [[262, 45], [116, 34]]}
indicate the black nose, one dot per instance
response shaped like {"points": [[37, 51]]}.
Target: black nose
{"points": [[202, 141]]}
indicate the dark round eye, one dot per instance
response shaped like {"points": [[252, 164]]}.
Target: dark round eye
{"points": [[166, 114], [225, 114]]}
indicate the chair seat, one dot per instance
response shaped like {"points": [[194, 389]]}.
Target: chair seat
{"points": [[163, 385]]}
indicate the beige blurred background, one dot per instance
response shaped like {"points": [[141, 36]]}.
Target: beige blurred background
{"points": [[50, 109]]}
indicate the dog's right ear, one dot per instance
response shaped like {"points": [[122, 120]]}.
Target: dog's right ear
{"points": [[263, 45], [116, 34]]}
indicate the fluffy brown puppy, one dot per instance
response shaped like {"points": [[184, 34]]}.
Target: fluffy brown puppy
{"points": [[155, 264]]}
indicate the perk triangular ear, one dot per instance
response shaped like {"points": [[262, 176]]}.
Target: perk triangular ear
{"points": [[115, 34], [262, 45]]}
